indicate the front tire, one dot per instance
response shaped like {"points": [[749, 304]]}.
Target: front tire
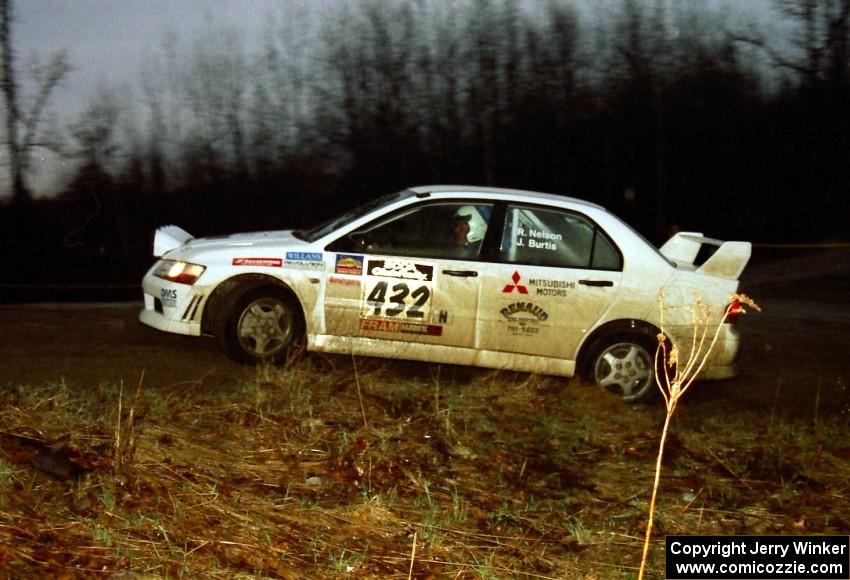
{"points": [[260, 325], [625, 367]]}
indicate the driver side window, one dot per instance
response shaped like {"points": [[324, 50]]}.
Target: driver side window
{"points": [[447, 230]]}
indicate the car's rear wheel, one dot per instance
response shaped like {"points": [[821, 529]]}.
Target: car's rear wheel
{"points": [[625, 367], [260, 325]]}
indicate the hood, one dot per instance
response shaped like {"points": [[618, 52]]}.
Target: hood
{"points": [[171, 237]]}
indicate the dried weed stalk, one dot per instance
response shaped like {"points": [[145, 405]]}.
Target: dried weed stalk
{"points": [[679, 373], [124, 449]]}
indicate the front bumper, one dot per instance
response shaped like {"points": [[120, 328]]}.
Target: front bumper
{"points": [[172, 307]]}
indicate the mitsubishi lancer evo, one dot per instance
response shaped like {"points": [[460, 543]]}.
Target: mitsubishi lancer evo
{"points": [[487, 277]]}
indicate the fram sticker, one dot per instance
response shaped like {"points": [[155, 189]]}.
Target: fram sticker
{"points": [[515, 286], [372, 325], [268, 262], [349, 264]]}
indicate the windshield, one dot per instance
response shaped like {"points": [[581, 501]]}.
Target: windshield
{"points": [[325, 228]]}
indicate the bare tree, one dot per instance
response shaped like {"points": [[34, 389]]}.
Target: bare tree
{"points": [[22, 122]]}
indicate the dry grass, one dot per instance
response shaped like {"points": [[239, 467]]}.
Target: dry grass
{"points": [[307, 472]]}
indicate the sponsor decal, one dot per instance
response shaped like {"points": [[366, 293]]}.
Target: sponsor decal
{"points": [[305, 261], [543, 287], [396, 326], [398, 289], [304, 256], [524, 318], [345, 281], [349, 264], [401, 300], [537, 239], [404, 269], [267, 262], [515, 286], [168, 296]]}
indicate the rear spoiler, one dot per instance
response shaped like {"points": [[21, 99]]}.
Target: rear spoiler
{"points": [[727, 261], [168, 238]]}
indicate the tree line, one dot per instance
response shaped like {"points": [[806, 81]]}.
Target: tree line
{"points": [[672, 114]]}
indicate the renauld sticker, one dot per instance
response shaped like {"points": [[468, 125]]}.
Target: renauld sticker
{"points": [[404, 269], [524, 318], [524, 310], [395, 326], [267, 262], [349, 264]]}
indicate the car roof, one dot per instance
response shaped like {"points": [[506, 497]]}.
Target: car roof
{"points": [[500, 192]]}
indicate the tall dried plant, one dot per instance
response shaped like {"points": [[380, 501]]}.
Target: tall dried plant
{"points": [[676, 373]]}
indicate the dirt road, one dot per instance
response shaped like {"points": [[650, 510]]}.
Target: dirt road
{"points": [[795, 357]]}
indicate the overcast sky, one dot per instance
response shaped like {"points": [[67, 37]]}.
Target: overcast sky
{"points": [[107, 41]]}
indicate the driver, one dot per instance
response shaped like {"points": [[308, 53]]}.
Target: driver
{"points": [[469, 228]]}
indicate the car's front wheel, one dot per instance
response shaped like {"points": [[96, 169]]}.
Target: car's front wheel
{"points": [[260, 325], [625, 367]]}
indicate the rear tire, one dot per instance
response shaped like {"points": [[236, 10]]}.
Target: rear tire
{"points": [[625, 366], [260, 325]]}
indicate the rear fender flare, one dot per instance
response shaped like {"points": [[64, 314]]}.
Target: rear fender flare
{"points": [[605, 333]]}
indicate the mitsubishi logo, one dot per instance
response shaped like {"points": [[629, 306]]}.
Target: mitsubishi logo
{"points": [[519, 287]]}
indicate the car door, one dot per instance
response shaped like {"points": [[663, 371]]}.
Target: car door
{"points": [[557, 273], [405, 277]]}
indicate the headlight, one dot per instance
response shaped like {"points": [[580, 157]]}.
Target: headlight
{"points": [[177, 271]]}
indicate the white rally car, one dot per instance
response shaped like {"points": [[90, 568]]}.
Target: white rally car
{"points": [[453, 274]]}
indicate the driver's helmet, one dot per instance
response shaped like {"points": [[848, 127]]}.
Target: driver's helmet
{"points": [[477, 225]]}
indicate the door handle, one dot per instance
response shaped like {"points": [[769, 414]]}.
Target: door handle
{"points": [[461, 273], [596, 283]]}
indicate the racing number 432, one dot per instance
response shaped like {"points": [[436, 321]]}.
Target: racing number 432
{"points": [[401, 300]]}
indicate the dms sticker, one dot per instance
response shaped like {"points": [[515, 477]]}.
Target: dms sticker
{"points": [[267, 262], [304, 261], [168, 296], [403, 269], [372, 325], [349, 264]]}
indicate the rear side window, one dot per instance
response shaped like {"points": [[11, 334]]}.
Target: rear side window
{"points": [[558, 238]]}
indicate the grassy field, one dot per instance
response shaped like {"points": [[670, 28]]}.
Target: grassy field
{"points": [[376, 469]]}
